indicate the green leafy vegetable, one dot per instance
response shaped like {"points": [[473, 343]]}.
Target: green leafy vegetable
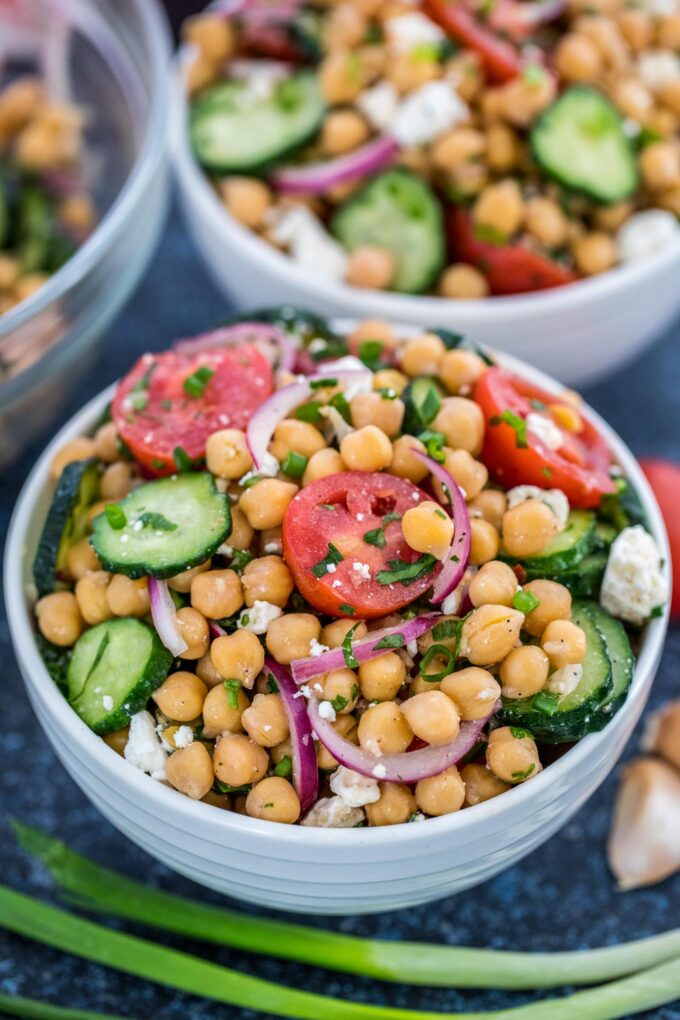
{"points": [[195, 384], [516, 423], [331, 559], [406, 573]]}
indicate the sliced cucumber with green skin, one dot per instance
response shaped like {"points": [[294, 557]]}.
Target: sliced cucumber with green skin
{"points": [[580, 142], [234, 130], [422, 399], [579, 713], [620, 655], [567, 549], [583, 579], [604, 535], [66, 524], [172, 524], [114, 670], [399, 212]]}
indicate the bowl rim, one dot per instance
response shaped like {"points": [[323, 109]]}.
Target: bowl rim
{"points": [[154, 139], [189, 813], [242, 242]]}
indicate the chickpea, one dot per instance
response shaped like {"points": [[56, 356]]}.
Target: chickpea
{"points": [[396, 805], [217, 593], [238, 656], [407, 73], [275, 800], [605, 34], [636, 27], [423, 355], [404, 464], [366, 449], [633, 99], [265, 721], [577, 58], [182, 582], [566, 416], [242, 534], [192, 627], [390, 379], [181, 696], [664, 733], [217, 800], [127, 597], [595, 253], [81, 559], [346, 726], [481, 784], [442, 794], [117, 480], [459, 371], [512, 755], [340, 687], [502, 148], [384, 729], [281, 751], [19, 102], [81, 448], [489, 505], [669, 95], [106, 442], [660, 165], [118, 740], [341, 77], [433, 717], [267, 579], [291, 635], [77, 212], [462, 145], [293, 436], [190, 770], [266, 502], [528, 528], [428, 529], [474, 691], [500, 208], [248, 200], [219, 714], [91, 597], [546, 221], [494, 584], [10, 269], [554, 603], [346, 27], [27, 285], [207, 672], [342, 131], [322, 464], [484, 542], [238, 760], [668, 32], [524, 671], [372, 329], [489, 634], [462, 422], [212, 35], [59, 619], [564, 643], [470, 474], [333, 634], [375, 409], [227, 454]]}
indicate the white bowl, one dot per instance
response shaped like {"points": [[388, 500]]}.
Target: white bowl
{"points": [[577, 333], [315, 871]]}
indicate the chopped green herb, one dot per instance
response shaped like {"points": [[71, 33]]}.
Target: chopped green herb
{"points": [[533, 75], [156, 464], [519, 733], [387, 392], [339, 402], [474, 752], [235, 791], [446, 629], [294, 464], [440, 513], [370, 352], [332, 557], [546, 702], [138, 400], [309, 412], [245, 620], [284, 767], [376, 537], [195, 384], [270, 804], [248, 483], [388, 518], [516, 423], [115, 515], [489, 235], [322, 384], [434, 444], [240, 559], [331, 349], [546, 472], [537, 404], [350, 659], [656, 612], [405, 572], [327, 506], [345, 607], [390, 641], [432, 652], [272, 685], [159, 522], [183, 462], [517, 777], [356, 691], [166, 405], [525, 601], [339, 702], [232, 688]]}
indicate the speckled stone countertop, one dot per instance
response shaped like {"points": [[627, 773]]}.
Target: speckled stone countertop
{"points": [[562, 897]]}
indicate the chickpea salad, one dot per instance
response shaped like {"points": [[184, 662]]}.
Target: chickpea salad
{"points": [[341, 580]]}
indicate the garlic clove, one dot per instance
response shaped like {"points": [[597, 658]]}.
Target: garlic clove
{"points": [[662, 733], [644, 844]]}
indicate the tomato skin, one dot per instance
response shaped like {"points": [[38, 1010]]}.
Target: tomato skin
{"points": [[664, 478], [242, 380], [309, 527], [501, 59], [578, 468], [509, 268]]}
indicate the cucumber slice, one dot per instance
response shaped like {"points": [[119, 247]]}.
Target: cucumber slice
{"points": [[568, 548], [234, 130], [580, 141], [583, 579], [400, 212], [422, 399], [579, 713], [122, 660], [66, 524], [604, 535], [172, 524], [620, 655]]}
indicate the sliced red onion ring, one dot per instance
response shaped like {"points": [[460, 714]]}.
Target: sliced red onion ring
{"points": [[408, 767], [305, 768], [163, 614], [261, 334], [261, 426], [362, 650], [318, 178], [458, 555]]}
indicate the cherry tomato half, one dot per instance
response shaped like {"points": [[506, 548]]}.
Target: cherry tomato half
{"points": [[516, 455], [501, 59], [351, 513], [172, 400], [664, 478]]}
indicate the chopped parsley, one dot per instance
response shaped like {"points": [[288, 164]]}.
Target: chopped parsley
{"points": [[115, 515], [309, 412], [272, 685], [183, 462], [519, 732], [377, 535], [390, 641], [517, 777], [434, 444], [517, 424], [339, 702], [159, 522], [332, 557], [248, 483], [370, 352], [284, 767], [232, 688], [138, 400], [240, 559], [350, 659], [196, 383], [322, 384], [339, 402], [345, 607], [525, 601], [294, 464], [405, 572]]}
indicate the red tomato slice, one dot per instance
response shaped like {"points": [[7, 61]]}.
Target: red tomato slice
{"points": [[664, 478], [501, 59], [509, 268], [578, 467], [154, 413], [339, 510]]}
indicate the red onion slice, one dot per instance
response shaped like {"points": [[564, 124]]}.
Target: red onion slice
{"points": [[263, 423], [317, 178], [163, 614], [408, 767], [459, 553], [263, 335], [305, 768], [363, 649]]}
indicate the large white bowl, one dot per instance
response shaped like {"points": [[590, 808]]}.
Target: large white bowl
{"points": [[577, 333], [315, 871]]}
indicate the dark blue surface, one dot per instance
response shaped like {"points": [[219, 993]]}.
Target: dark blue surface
{"points": [[562, 897]]}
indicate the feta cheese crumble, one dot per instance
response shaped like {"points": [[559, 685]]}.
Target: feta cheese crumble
{"points": [[545, 429], [379, 771], [256, 618], [333, 813], [355, 790], [316, 648], [633, 583], [565, 680], [143, 748], [405, 32], [658, 68], [184, 736], [379, 105], [326, 711], [362, 569], [428, 112], [554, 499], [309, 242], [646, 233]]}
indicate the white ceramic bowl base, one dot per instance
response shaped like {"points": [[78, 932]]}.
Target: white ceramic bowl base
{"points": [[315, 871]]}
